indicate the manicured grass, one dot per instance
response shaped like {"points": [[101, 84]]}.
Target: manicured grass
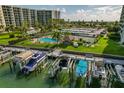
{"points": [[104, 46], [5, 38], [99, 47], [28, 43]]}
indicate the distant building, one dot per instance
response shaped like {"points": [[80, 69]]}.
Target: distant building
{"points": [[86, 34], [12, 15], [122, 26], [44, 16]]}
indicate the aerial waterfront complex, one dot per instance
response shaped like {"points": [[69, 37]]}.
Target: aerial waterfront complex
{"points": [[61, 48]]}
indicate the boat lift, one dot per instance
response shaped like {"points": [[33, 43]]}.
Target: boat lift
{"points": [[21, 59], [111, 75], [58, 65], [5, 56], [120, 72], [36, 60]]}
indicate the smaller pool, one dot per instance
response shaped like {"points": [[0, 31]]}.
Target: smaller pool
{"points": [[81, 68], [48, 40]]}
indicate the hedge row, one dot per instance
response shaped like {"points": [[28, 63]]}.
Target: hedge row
{"points": [[12, 42], [6, 33]]}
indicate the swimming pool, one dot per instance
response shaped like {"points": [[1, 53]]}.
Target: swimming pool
{"points": [[81, 68], [47, 40]]}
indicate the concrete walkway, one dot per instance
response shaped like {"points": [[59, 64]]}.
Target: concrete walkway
{"points": [[105, 60]]}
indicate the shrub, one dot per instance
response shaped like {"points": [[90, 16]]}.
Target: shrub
{"points": [[19, 36], [95, 83], [114, 36], [12, 42], [11, 36], [80, 82]]}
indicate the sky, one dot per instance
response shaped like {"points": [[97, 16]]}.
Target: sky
{"points": [[84, 12]]}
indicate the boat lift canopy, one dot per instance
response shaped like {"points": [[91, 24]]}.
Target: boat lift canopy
{"points": [[24, 55]]}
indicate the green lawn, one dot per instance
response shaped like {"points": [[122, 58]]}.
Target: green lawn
{"points": [[5, 38], [28, 43], [99, 47], [104, 46]]}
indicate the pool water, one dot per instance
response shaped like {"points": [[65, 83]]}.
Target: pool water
{"points": [[48, 40], [81, 68]]}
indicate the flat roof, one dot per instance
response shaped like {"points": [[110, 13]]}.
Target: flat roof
{"points": [[87, 31], [24, 55]]}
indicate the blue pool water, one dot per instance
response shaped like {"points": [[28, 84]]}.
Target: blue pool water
{"points": [[81, 68], [48, 40]]}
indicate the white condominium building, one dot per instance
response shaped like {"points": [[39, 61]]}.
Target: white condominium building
{"points": [[33, 15], [18, 16], [44, 16], [8, 15], [13, 15], [2, 20], [26, 16], [122, 26]]}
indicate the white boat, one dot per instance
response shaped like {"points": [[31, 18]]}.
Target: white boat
{"points": [[34, 62], [120, 72]]}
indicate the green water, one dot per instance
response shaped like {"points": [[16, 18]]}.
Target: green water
{"points": [[9, 79]]}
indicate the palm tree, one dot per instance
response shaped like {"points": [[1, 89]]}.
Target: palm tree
{"points": [[79, 82], [57, 35], [56, 23], [37, 26], [66, 34], [1, 27], [42, 29], [24, 28], [12, 28], [49, 28], [18, 28], [7, 29]]}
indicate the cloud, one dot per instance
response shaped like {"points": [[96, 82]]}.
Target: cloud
{"points": [[43, 8], [63, 10], [104, 9], [106, 13], [80, 11]]}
